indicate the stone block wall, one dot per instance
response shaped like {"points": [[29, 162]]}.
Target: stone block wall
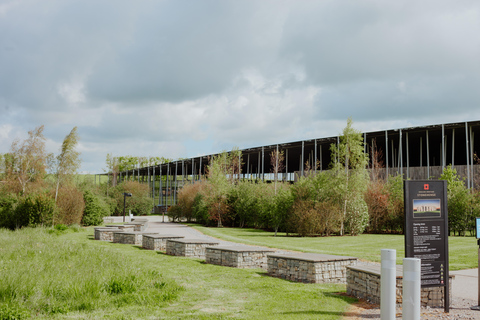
{"points": [[105, 234], [188, 249], [364, 283], [118, 237], [241, 258], [155, 242], [309, 271]]}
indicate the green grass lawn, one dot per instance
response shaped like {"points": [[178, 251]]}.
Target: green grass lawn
{"points": [[462, 250], [65, 274]]}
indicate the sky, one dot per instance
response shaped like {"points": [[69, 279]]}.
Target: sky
{"points": [[179, 79]]}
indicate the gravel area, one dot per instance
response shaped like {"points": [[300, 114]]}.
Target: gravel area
{"points": [[460, 309]]}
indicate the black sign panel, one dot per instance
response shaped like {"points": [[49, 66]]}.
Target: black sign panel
{"points": [[426, 229]]}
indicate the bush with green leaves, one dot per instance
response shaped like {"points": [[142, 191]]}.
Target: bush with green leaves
{"points": [[139, 203], [8, 204], [460, 202], [34, 210], [95, 209]]}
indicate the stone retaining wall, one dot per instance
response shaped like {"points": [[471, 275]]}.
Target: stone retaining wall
{"points": [[238, 256], [364, 283], [310, 268], [188, 247], [135, 238], [157, 242], [105, 233], [118, 236]]}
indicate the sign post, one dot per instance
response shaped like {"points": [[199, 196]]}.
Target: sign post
{"points": [[426, 231]]}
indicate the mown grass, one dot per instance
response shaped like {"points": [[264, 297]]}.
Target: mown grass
{"points": [[462, 250], [65, 274]]}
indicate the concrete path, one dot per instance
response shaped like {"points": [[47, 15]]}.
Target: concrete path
{"points": [[464, 286]]}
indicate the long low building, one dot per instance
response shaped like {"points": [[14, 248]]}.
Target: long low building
{"points": [[416, 153]]}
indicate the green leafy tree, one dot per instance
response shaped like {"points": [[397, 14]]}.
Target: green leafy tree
{"points": [[26, 162], [349, 171], [218, 169], [460, 201], [68, 161]]}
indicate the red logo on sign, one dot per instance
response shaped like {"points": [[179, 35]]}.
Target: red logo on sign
{"points": [[426, 186]]}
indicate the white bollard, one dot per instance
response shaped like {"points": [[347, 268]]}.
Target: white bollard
{"points": [[411, 289], [388, 284]]}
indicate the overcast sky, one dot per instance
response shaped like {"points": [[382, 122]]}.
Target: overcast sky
{"points": [[187, 78]]}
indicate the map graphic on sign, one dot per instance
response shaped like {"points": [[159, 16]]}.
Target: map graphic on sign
{"points": [[426, 208]]}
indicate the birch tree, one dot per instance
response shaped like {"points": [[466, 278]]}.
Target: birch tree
{"points": [[68, 161], [26, 162]]}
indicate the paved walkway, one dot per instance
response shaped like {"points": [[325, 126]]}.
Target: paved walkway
{"points": [[464, 286]]}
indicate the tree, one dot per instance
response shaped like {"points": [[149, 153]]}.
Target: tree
{"points": [[349, 167], [27, 161], [277, 163], [219, 186], [68, 161]]}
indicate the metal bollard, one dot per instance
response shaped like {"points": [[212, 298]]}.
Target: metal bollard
{"points": [[388, 284], [411, 289]]}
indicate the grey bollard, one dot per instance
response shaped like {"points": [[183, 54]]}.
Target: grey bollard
{"points": [[411, 289], [388, 284]]}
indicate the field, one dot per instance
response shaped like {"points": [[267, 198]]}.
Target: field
{"points": [[60, 274], [462, 250]]}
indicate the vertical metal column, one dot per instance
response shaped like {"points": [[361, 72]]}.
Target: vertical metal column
{"points": [[168, 184], [386, 155], [472, 137], [183, 173], [315, 160], [248, 166], [176, 184], [193, 170], [239, 165], [286, 164], [408, 158], [428, 155], [200, 170], [468, 156], [453, 147], [321, 158], [400, 153], [160, 188], [153, 185], [443, 147], [258, 167], [302, 158], [276, 164], [421, 151], [263, 164]]}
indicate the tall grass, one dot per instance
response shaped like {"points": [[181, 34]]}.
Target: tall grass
{"points": [[43, 275]]}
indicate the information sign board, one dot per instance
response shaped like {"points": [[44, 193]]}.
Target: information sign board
{"points": [[477, 228], [426, 230]]}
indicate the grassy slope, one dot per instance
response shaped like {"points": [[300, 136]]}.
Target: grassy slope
{"points": [[210, 292], [462, 250]]}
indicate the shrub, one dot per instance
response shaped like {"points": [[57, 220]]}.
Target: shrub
{"points": [[70, 205], [305, 219], [357, 216], [200, 210], [35, 209], [8, 203], [377, 199], [186, 198], [139, 203], [95, 209]]}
